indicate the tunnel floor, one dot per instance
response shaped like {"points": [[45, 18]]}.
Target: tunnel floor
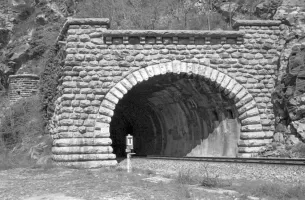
{"points": [[176, 115]]}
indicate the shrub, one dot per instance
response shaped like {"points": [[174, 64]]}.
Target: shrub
{"points": [[50, 80]]}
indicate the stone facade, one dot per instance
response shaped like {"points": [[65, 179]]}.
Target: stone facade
{"points": [[102, 65], [22, 85]]}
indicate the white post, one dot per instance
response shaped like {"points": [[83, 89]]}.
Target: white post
{"points": [[128, 163], [129, 147]]}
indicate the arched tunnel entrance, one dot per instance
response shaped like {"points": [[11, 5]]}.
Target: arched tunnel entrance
{"points": [[176, 115]]}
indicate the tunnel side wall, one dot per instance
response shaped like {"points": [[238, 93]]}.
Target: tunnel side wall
{"points": [[99, 59]]}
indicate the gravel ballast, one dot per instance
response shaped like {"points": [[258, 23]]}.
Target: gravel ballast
{"points": [[249, 171]]}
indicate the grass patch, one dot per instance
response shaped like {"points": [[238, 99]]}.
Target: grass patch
{"points": [[144, 171], [270, 190], [205, 179], [279, 191], [136, 170], [213, 181], [186, 177]]}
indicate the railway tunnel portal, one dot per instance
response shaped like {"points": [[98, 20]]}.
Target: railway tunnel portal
{"points": [[180, 93], [176, 115]]}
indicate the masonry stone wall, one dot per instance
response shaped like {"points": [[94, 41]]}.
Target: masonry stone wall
{"points": [[101, 65], [22, 85]]}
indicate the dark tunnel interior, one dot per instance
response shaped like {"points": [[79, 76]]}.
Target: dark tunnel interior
{"points": [[176, 115]]}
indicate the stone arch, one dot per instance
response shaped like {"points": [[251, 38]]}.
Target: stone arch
{"points": [[252, 134]]}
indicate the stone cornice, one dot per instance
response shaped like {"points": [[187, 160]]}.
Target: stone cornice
{"points": [[88, 21], [256, 23], [173, 33]]}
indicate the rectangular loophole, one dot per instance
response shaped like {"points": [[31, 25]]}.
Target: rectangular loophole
{"points": [[150, 40], [231, 40], [215, 40], [199, 41], [117, 40], [167, 40], [134, 40], [183, 40]]}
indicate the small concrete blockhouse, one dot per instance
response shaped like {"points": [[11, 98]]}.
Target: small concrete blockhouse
{"points": [[178, 92]]}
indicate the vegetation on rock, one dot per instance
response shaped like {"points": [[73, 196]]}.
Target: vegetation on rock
{"points": [[22, 138]]}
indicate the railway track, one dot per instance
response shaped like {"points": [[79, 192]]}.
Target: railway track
{"points": [[278, 161]]}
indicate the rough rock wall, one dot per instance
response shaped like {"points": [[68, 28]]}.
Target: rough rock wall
{"points": [[292, 14], [22, 85], [287, 98]]}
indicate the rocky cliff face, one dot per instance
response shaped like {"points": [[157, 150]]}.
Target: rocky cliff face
{"points": [[288, 96], [28, 28]]}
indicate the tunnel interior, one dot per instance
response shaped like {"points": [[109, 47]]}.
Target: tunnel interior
{"points": [[176, 115]]}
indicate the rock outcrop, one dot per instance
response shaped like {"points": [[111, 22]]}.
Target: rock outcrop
{"points": [[267, 8], [288, 97]]}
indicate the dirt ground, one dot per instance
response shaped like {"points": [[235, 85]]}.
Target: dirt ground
{"points": [[99, 184]]}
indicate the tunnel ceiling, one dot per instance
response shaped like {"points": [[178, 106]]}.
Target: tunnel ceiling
{"points": [[169, 89]]}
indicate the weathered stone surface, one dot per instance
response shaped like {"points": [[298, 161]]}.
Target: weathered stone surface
{"points": [[83, 157], [246, 107], [89, 164], [254, 143], [106, 111], [112, 99], [176, 33], [249, 150], [255, 135], [97, 41], [67, 142], [252, 128], [251, 120], [82, 150]]}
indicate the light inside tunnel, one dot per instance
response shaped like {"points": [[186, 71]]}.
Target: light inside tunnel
{"points": [[176, 115]]}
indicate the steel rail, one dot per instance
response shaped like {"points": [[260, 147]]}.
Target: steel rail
{"points": [[278, 161]]}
